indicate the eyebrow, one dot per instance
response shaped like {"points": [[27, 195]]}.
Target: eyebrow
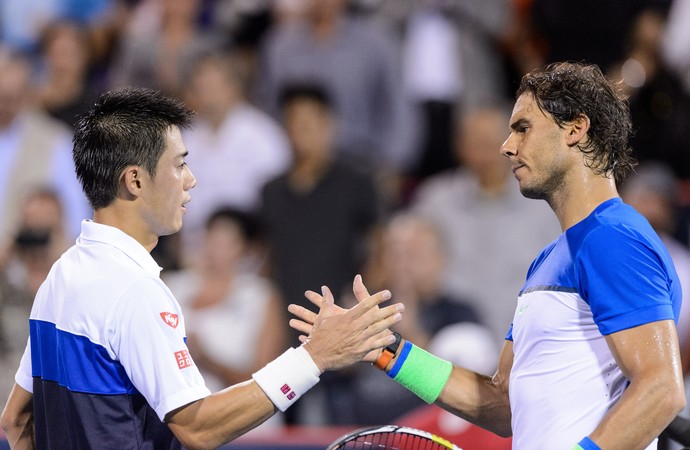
{"points": [[519, 123]]}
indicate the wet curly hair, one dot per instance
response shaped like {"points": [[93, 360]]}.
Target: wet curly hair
{"points": [[568, 90]]}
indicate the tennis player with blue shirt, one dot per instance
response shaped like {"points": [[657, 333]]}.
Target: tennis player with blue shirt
{"points": [[591, 359]]}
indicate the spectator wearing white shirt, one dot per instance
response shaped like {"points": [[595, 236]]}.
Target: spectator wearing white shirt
{"points": [[35, 152], [234, 148]]}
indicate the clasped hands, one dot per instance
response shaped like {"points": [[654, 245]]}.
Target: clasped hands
{"points": [[336, 337]]}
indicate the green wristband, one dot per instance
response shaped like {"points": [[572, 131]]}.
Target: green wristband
{"points": [[423, 373]]}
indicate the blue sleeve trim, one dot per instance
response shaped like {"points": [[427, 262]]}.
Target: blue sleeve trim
{"points": [[401, 360], [636, 318]]}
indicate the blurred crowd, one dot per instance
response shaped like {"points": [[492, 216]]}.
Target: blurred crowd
{"points": [[332, 137]]}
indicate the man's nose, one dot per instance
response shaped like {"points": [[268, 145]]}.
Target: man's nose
{"points": [[191, 180], [509, 147]]}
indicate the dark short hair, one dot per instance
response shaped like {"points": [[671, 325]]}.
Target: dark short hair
{"points": [[305, 91], [247, 222], [125, 127], [568, 90]]}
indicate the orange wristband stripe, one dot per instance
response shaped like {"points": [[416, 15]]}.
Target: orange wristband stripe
{"points": [[384, 358]]}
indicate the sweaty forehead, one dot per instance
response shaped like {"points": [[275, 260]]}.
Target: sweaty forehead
{"points": [[525, 104], [526, 108]]}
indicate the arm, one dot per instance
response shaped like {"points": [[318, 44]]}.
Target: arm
{"points": [[481, 399], [18, 419], [334, 342], [649, 358], [221, 417]]}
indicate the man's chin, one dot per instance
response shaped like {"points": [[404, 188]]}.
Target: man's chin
{"points": [[532, 193]]}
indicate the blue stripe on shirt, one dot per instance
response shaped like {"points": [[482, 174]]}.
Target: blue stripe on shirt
{"points": [[75, 362]]}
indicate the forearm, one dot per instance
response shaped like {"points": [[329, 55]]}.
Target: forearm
{"points": [[17, 420], [642, 413], [222, 416], [479, 399], [20, 435]]}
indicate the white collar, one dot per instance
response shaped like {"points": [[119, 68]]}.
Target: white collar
{"points": [[106, 234]]}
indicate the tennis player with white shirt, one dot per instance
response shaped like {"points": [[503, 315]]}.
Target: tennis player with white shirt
{"points": [[106, 365], [591, 359]]}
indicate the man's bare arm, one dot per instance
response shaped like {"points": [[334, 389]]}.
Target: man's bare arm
{"points": [[649, 358], [335, 341], [18, 419], [481, 399]]}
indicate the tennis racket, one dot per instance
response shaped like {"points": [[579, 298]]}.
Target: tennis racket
{"points": [[391, 437]]}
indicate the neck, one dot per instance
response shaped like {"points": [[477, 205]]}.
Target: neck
{"points": [[574, 203], [325, 26], [306, 174], [217, 116], [124, 220]]}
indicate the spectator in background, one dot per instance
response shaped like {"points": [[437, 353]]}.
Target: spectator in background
{"points": [[676, 40], [601, 27], [38, 243], [65, 88], [316, 190], [481, 25], [35, 151], [659, 106], [22, 22], [411, 262], [226, 301], [432, 79], [234, 148], [358, 64], [160, 41], [487, 225]]}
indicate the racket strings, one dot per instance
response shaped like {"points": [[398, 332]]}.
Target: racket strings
{"points": [[392, 441]]}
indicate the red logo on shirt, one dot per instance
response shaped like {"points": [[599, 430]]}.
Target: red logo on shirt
{"points": [[170, 319], [183, 359]]}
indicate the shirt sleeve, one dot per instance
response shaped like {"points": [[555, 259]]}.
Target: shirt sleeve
{"points": [[623, 279], [23, 376], [148, 336]]}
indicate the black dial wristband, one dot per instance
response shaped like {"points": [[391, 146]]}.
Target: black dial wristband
{"points": [[388, 353]]}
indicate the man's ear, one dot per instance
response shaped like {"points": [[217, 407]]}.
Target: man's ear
{"points": [[130, 181], [577, 130]]}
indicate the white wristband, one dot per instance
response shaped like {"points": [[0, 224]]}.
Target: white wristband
{"points": [[285, 379]]}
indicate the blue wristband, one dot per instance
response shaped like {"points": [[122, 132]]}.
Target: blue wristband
{"points": [[586, 444], [401, 359]]}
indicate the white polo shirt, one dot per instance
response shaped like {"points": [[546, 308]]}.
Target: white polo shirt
{"points": [[105, 331]]}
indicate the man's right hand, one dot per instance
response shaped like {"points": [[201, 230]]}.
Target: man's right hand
{"points": [[338, 337]]}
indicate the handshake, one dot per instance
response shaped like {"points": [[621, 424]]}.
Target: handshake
{"points": [[335, 337]]}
